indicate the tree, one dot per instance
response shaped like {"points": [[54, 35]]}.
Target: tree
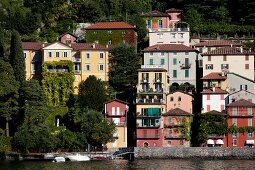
{"points": [[96, 128], [8, 93], [195, 19], [1, 43], [16, 58], [124, 64], [92, 94]]}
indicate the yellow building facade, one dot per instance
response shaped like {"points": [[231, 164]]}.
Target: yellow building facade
{"points": [[88, 59]]}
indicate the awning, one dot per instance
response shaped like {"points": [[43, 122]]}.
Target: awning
{"points": [[210, 142], [250, 142], [219, 142]]}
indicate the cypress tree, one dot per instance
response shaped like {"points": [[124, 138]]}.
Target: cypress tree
{"points": [[16, 58], [1, 44]]}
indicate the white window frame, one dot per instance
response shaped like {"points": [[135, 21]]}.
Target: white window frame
{"points": [[65, 54], [87, 66], [50, 54], [99, 67], [87, 55], [57, 54], [101, 55]]}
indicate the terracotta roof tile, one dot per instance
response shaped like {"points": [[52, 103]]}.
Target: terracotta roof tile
{"points": [[169, 47], [228, 51], [32, 45], [177, 111], [215, 112], [173, 10], [214, 76], [117, 100], [216, 91], [110, 25], [154, 13], [88, 46], [219, 43], [242, 102]]}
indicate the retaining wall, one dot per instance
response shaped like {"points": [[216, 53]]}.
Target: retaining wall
{"points": [[194, 152]]}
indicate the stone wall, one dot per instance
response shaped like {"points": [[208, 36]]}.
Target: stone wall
{"points": [[194, 152]]}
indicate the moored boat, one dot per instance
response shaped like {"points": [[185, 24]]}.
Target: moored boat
{"points": [[78, 157]]}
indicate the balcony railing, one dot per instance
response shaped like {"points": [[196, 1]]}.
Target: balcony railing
{"points": [[57, 70], [241, 115], [176, 136], [143, 136], [75, 59], [77, 71], [150, 101], [160, 90]]}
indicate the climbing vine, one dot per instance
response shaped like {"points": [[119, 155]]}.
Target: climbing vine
{"points": [[235, 129], [57, 83], [187, 124]]}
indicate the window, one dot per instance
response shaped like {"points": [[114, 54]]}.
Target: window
{"points": [[50, 54], [249, 110], [109, 32], [160, 24], [234, 121], [25, 55], [162, 53], [162, 61], [208, 96], [186, 62], [200, 49], [224, 57], [65, 54], [234, 111], [87, 67], [208, 107], [243, 87], [175, 53], [113, 110], [179, 99], [250, 134], [35, 68], [174, 61], [110, 42], [151, 61], [209, 58], [209, 49], [172, 35], [234, 142], [250, 122], [181, 35], [186, 53], [171, 98], [57, 54], [200, 63], [77, 68], [246, 66], [186, 73], [246, 57], [101, 67], [222, 97], [174, 73], [209, 66], [224, 66], [101, 55], [148, 24], [87, 55], [174, 16]]}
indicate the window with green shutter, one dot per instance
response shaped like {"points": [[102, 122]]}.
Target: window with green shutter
{"points": [[249, 111], [174, 61], [151, 61], [162, 61], [174, 73], [186, 73], [186, 62]]}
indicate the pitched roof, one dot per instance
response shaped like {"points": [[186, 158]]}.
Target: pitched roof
{"points": [[68, 33], [154, 13], [173, 10], [238, 75], [88, 46], [32, 45], [216, 91], [110, 25], [215, 112], [228, 51], [177, 112], [239, 91], [217, 43], [179, 91], [214, 76], [117, 100], [242, 102], [169, 47]]}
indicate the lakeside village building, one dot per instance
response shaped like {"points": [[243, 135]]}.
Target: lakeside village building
{"points": [[163, 118]]}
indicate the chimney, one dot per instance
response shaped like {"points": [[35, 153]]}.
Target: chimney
{"points": [[241, 49], [93, 45]]}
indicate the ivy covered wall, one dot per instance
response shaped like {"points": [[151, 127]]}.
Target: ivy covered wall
{"points": [[57, 85]]}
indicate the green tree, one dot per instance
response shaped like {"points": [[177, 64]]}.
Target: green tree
{"points": [[92, 93], [1, 43], [8, 93], [16, 58], [96, 128], [124, 64], [195, 19]]}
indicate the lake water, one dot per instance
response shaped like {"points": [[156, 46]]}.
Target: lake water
{"points": [[158, 164]]}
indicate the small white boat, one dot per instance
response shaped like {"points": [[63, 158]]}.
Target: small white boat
{"points": [[78, 157], [59, 159]]}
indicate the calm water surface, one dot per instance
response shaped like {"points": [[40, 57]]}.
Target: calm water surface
{"points": [[137, 165]]}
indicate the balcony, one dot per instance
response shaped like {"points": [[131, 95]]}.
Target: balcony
{"points": [[150, 101], [185, 66], [77, 71], [175, 136], [53, 70], [240, 115], [159, 90], [76, 59], [144, 136]]}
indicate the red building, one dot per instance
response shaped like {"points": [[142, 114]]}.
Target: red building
{"points": [[240, 122], [156, 20], [116, 111], [68, 38]]}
